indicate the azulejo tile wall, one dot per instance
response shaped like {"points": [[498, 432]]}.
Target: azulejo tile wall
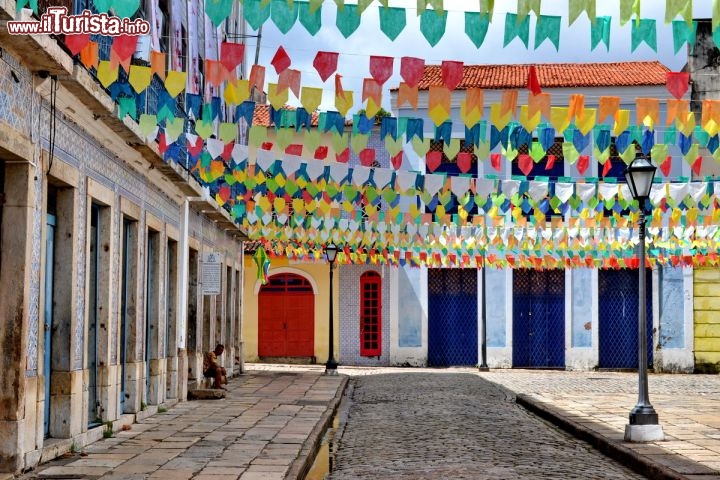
{"points": [[350, 315]]}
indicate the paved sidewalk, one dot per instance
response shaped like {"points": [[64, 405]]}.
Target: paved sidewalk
{"points": [[595, 406], [267, 427]]}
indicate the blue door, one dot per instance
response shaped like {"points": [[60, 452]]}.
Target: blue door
{"points": [[618, 318], [452, 317], [538, 318], [49, 263]]}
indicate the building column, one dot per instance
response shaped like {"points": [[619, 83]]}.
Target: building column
{"points": [[15, 252]]}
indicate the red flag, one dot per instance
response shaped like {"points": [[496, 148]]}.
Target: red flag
{"points": [[381, 68], [525, 162], [606, 167], [677, 83], [550, 162], [325, 63], [321, 153], [452, 74], [533, 84], [75, 43], [344, 156], [294, 149], [495, 161], [666, 165], [397, 160], [464, 162], [231, 54], [281, 60], [697, 165], [583, 164], [411, 70], [124, 46], [367, 157], [432, 160]]}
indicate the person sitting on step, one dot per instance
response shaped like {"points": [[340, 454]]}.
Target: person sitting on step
{"points": [[212, 368]]}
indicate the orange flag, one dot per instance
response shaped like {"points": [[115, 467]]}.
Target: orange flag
{"points": [[372, 89], [474, 99], [508, 102], [539, 103], [214, 72], [676, 109], [290, 78], [608, 106], [89, 55], [257, 78], [576, 106], [157, 64], [647, 111], [407, 94]]}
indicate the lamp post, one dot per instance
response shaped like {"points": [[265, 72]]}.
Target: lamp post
{"points": [[643, 425], [331, 366], [483, 332]]}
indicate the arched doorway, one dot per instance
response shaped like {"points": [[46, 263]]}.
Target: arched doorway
{"points": [[286, 317]]}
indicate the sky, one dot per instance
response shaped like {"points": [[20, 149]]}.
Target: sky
{"points": [[368, 40]]}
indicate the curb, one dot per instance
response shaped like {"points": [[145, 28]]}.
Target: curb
{"points": [[302, 464], [613, 449]]}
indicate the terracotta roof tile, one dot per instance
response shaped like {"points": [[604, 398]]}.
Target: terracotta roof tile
{"points": [[554, 75]]}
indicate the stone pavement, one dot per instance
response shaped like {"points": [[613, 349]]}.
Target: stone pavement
{"points": [[595, 406], [428, 425], [274, 416], [266, 428]]}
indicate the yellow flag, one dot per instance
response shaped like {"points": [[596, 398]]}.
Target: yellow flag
{"points": [[237, 91], [139, 77], [497, 118], [372, 108], [437, 114], [175, 82], [687, 126], [106, 74], [344, 101], [559, 118], [278, 99], [587, 122], [529, 123], [469, 118], [310, 98], [622, 120]]}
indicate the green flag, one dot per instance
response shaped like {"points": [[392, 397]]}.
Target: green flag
{"points": [[347, 20], [309, 18], [432, 26], [216, 10], [600, 32], [476, 27], [392, 21], [684, 33], [255, 13], [283, 15], [515, 28], [548, 28], [644, 31]]}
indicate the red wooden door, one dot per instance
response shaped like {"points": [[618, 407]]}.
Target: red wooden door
{"points": [[370, 315], [286, 317]]}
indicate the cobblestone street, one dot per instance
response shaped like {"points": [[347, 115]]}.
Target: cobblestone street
{"points": [[454, 425]]}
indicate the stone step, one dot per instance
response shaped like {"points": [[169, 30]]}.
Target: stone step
{"points": [[206, 394]]}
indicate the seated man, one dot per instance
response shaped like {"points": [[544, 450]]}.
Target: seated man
{"points": [[212, 369]]}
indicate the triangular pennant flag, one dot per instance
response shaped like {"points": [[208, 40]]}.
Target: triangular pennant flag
{"points": [[516, 29], [577, 7], [476, 27], [548, 28], [157, 64], [381, 68], [106, 74], [139, 78], [432, 26], [644, 31], [533, 84], [600, 32], [407, 94], [231, 54], [411, 70], [257, 78], [281, 60], [175, 82], [608, 107], [284, 14], [684, 33], [326, 64], [89, 55], [452, 74], [678, 83], [392, 21], [347, 20], [75, 43], [217, 10], [256, 12], [290, 78], [311, 98]]}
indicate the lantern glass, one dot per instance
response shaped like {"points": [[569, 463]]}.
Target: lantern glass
{"points": [[639, 176], [331, 251]]}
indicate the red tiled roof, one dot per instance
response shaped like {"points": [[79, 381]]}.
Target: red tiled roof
{"points": [[261, 116], [553, 75]]}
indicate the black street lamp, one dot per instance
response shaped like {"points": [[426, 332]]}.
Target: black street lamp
{"points": [[331, 366], [643, 426], [483, 367]]}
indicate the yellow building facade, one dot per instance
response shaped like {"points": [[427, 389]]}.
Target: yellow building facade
{"points": [[707, 319], [317, 275]]}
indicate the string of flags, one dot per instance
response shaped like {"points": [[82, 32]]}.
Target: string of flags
{"points": [[284, 14]]}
